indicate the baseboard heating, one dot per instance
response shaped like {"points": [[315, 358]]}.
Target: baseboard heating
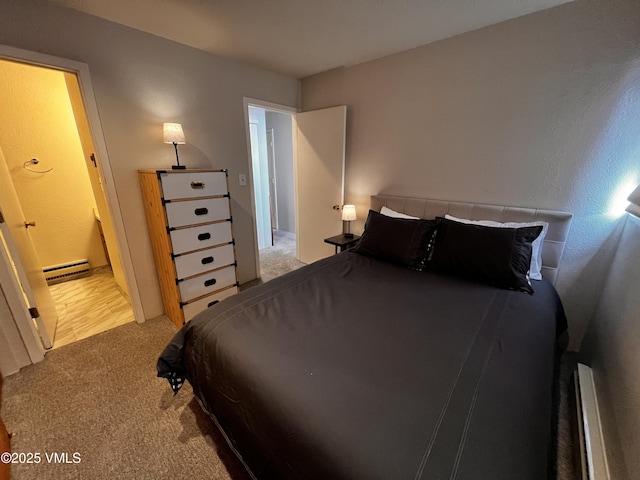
{"points": [[67, 271], [592, 449]]}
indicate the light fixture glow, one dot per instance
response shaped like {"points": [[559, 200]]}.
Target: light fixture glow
{"points": [[172, 133], [349, 213], [619, 201]]}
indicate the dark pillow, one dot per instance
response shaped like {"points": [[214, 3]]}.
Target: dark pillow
{"points": [[398, 240], [500, 256]]}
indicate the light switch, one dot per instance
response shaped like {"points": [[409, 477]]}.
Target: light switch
{"points": [[242, 179]]}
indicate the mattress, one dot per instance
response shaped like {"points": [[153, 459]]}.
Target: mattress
{"points": [[356, 368]]}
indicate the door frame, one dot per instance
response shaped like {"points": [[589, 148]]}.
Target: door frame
{"points": [[28, 339], [273, 183], [274, 107], [81, 70]]}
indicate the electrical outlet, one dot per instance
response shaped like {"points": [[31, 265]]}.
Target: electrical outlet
{"points": [[242, 179]]}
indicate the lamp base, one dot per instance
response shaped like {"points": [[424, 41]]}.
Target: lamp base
{"points": [[178, 167], [348, 235]]}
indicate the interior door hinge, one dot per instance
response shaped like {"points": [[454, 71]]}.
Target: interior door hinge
{"points": [[34, 312], [93, 159]]}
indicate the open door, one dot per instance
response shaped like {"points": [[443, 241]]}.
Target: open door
{"points": [[91, 159], [319, 170], [25, 258], [273, 193]]}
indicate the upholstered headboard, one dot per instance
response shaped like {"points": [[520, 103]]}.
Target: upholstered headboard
{"points": [[559, 222]]}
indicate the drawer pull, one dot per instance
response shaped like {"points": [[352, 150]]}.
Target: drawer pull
{"points": [[208, 283], [211, 304], [201, 211], [206, 260], [197, 185], [204, 236]]}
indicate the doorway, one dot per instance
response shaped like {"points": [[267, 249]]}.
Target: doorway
{"points": [[51, 163], [318, 139], [272, 155]]}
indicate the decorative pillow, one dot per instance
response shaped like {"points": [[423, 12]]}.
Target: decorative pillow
{"points": [[399, 240], [499, 256], [392, 213], [535, 267]]}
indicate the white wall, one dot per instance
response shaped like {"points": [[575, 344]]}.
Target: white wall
{"points": [[612, 348], [141, 81], [540, 111], [283, 149]]}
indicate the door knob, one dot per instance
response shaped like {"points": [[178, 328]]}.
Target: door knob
{"points": [[337, 207], [29, 224]]}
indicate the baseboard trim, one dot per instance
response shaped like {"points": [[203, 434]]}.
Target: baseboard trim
{"points": [[594, 458]]}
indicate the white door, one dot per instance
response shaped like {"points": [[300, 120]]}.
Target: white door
{"points": [[25, 258], [273, 190], [261, 183], [319, 173]]}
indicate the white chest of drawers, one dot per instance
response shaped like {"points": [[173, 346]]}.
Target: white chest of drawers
{"points": [[190, 224]]}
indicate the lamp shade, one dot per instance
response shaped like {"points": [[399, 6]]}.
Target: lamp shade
{"points": [[348, 212], [634, 198], [172, 133]]}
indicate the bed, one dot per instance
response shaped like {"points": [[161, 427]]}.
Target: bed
{"points": [[356, 367]]}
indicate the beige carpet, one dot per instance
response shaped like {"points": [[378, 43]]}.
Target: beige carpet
{"points": [[567, 462], [100, 397], [280, 258]]}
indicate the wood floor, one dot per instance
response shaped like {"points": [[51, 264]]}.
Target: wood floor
{"points": [[88, 306]]}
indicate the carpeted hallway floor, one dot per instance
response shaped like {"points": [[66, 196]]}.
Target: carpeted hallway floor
{"points": [[278, 259]]}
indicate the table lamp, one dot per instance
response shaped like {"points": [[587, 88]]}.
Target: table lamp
{"points": [[348, 214], [172, 133]]}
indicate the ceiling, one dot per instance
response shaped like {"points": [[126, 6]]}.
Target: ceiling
{"points": [[299, 38]]}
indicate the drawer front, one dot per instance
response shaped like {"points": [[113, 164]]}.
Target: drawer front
{"points": [[189, 239], [193, 184], [180, 214], [198, 262], [194, 308], [207, 283]]}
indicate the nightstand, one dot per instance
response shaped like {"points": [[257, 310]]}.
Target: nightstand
{"points": [[342, 242]]}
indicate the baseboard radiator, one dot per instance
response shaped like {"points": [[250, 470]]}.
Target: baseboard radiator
{"points": [[591, 442], [67, 271]]}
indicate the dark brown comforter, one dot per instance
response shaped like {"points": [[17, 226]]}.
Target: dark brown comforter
{"points": [[353, 368]]}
